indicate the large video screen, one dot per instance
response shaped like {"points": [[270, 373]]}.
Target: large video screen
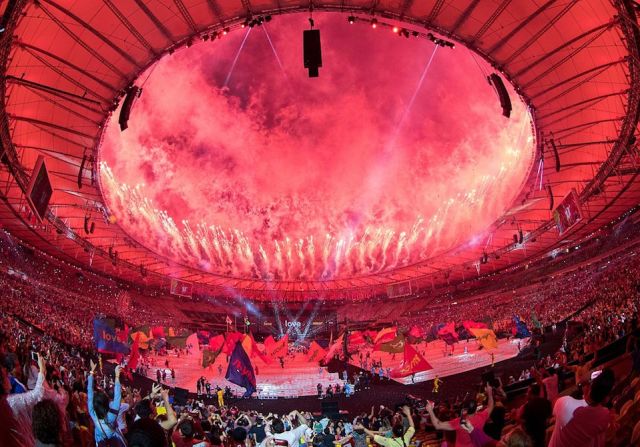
{"points": [[568, 213]]}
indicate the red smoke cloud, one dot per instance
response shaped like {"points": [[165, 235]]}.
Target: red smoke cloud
{"points": [[278, 176]]}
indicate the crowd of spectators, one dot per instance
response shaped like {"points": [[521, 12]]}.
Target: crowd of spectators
{"points": [[55, 390]]}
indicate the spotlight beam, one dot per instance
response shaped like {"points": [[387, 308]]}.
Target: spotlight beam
{"points": [[235, 59]]}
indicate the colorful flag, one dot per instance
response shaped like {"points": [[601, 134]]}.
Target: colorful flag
{"points": [[470, 324], [281, 347], [157, 332], [394, 346], [240, 370], [269, 343], [257, 352], [122, 335], [520, 328], [143, 339], [385, 335], [486, 337], [448, 333], [209, 357], [413, 363], [132, 364], [231, 339], [316, 353], [333, 349], [216, 343], [177, 342], [193, 341], [534, 320], [416, 332], [356, 339], [104, 335]]}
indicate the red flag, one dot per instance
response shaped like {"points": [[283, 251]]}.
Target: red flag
{"points": [[385, 335], [122, 335], [280, 348], [316, 352], [256, 351], [269, 343], [157, 332], [356, 339], [470, 324], [335, 347], [413, 363], [216, 343], [230, 341], [448, 333], [135, 354], [416, 332]]}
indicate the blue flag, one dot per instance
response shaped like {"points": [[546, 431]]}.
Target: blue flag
{"points": [[240, 371], [104, 335], [521, 328]]}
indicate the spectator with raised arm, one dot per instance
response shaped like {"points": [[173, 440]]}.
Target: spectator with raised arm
{"points": [[15, 409], [399, 438], [102, 412]]}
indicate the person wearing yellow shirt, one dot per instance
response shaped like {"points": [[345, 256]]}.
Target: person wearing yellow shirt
{"points": [[400, 438], [220, 394]]}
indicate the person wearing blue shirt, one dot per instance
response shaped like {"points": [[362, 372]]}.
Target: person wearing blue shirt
{"points": [[102, 412]]}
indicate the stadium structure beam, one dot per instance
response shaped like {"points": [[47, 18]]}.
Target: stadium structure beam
{"points": [[598, 31], [78, 100], [38, 122], [158, 24], [215, 10], [594, 72], [435, 11], [589, 102], [490, 21], [540, 32], [84, 45], [186, 16], [77, 114], [406, 4], [130, 27], [34, 52], [520, 27], [464, 16], [92, 30]]}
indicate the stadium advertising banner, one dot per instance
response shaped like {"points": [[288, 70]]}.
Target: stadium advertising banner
{"points": [[568, 213], [181, 288]]}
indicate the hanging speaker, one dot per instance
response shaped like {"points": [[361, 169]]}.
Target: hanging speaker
{"points": [[550, 197], [503, 94], [555, 153], [312, 51], [125, 111]]}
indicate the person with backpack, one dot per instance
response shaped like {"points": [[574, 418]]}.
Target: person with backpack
{"points": [[104, 413]]}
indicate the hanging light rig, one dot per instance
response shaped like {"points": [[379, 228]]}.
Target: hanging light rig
{"points": [[312, 51]]}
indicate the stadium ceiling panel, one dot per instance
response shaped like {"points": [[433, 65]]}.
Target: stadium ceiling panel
{"points": [[67, 64]]}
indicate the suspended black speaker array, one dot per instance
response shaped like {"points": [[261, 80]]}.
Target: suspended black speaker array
{"points": [[312, 51], [550, 197], [503, 94], [125, 111]]}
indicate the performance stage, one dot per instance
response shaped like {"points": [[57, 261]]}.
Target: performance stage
{"points": [[300, 378]]}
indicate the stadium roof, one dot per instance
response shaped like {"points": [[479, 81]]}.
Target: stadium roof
{"points": [[66, 65]]}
